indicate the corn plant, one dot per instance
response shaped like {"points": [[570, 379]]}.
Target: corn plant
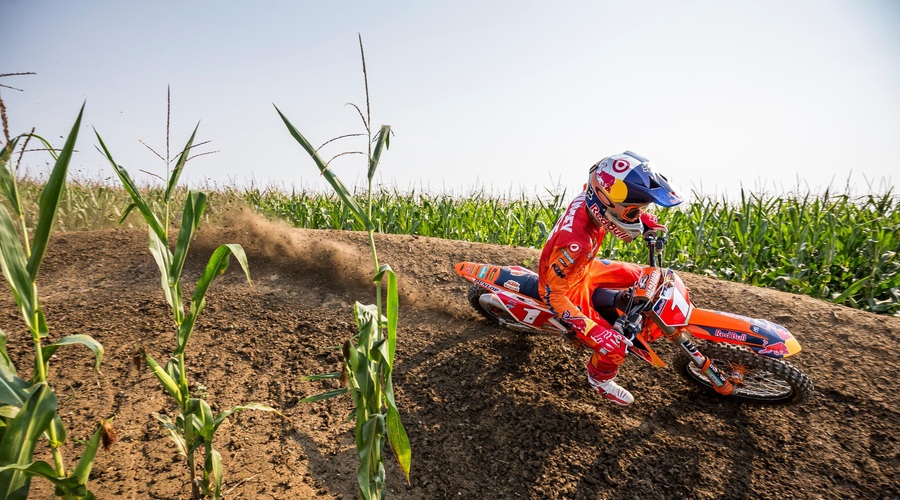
{"points": [[196, 425], [368, 364], [29, 409]]}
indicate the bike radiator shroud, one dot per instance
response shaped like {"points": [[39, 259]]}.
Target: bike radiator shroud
{"points": [[673, 310]]}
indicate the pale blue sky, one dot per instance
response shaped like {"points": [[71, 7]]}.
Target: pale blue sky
{"points": [[511, 96]]}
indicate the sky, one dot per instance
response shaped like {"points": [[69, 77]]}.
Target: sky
{"points": [[504, 97]]}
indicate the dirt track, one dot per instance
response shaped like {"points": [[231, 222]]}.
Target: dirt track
{"points": [[489, 413]]}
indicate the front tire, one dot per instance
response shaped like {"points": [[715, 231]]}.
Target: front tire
{"points": [[767, 380]]}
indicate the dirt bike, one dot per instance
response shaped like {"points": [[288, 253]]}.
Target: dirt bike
{"points": [[736, 356]]}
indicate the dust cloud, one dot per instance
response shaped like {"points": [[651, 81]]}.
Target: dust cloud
{"points": [[343, 261]]}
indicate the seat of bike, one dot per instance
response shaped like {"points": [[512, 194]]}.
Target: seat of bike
{"points": [[526, 282]]}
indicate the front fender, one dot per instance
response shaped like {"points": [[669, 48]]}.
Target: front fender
{"points": [[764, 337]]}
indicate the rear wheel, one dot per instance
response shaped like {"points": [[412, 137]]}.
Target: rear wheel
{"points": [[475, 293], [765, 380]]}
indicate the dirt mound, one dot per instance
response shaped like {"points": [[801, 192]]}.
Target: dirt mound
{"points": [[490, 413]]}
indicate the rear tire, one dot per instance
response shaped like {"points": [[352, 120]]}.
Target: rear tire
{"points": [[475, 292], [767, 381]]}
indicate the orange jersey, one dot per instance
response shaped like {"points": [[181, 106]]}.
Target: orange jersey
{"points": [[568, 272]]}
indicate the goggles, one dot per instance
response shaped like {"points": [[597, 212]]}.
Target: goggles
{"points": [[628, 213]]}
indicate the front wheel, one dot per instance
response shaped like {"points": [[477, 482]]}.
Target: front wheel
{"points": [[765, 380]]}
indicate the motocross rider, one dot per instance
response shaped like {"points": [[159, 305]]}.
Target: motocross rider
{"points": [[573, 283]]}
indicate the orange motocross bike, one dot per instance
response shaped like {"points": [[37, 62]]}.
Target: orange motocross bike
{"points": [[737, 357]]}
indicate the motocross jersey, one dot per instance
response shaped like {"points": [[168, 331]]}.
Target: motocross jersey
{"points": [[569, 273], [572, 246]]}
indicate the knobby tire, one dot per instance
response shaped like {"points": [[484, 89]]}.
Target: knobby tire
{"points": [[797, 386]]}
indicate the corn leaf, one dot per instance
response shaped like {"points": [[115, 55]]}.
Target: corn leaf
{"points": [[179, 166], [128, 209], [171, 288], [8, 411], [368, 330], [325, 395], [393, 308], [15, 270], [851, 290], [50, 198], [190, 221], [7, 179], [85, 340], [399, 440], [192, 434], [381, 141], [65, 487], [168, 383], [323, 376], [353, 359], [332, 179], [6, 364], [13, 390], [369, 439], [21, 437], [205, 417], [172, 368], [212, 473], [131, 189], [249, 406], [86, 462], [174, 433], [217, 265]]}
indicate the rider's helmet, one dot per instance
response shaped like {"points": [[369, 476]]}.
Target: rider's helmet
{"points": [[619, 188]]}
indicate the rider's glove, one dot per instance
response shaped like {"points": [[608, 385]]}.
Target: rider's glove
{"points": [[651, 223], [608, 340]]}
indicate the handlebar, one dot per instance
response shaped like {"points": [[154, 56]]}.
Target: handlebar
{"points": [[629, 324]]}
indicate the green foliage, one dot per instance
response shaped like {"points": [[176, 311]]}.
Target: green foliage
{"points": [[95, 204], [368, 363], [29, 409], [481, 217], [850, 242], [832, 247], [195, 426]]}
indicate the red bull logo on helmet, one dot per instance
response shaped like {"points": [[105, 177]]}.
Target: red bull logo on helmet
{"points": [[606, 180], [609, 179]]}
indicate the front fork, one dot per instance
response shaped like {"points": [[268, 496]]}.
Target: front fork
{"points": [[628, 326], [720, 382]]}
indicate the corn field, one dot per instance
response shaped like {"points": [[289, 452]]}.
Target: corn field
{"points": [[835, 247], [480, 218], [838, 248]]}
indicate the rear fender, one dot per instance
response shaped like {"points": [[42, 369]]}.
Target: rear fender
{"points": [[513, 278], [520, 306], [762, 336], [475, 271]]}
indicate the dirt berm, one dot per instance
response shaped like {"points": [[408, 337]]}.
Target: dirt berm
{"points": [[490, 413]]}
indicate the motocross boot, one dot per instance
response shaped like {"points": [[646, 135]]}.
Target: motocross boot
{"points": [[612, 391]]}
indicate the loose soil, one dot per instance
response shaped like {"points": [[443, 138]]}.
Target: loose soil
{"points": [[490, 413]]}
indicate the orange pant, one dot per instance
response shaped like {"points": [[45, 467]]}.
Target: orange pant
{"points": [[603, 273]]}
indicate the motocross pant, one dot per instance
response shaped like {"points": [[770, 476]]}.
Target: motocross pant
{"points": [[603, 274]]}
